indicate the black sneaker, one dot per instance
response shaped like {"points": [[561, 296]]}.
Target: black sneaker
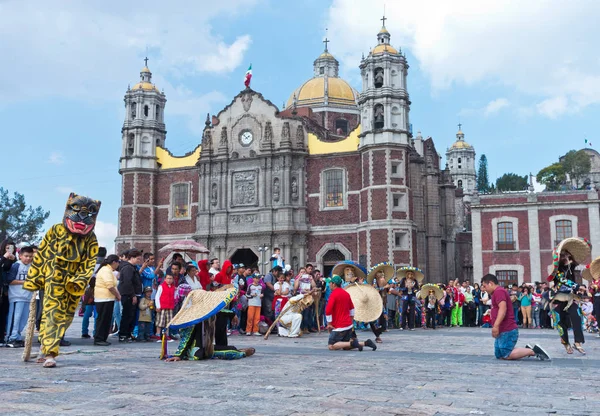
{"points": [[124, 339], [369, 343], [86, 336], [355, 344], [102, 343], [65, 343], [540, 353], [10, 344], [529, 346]]}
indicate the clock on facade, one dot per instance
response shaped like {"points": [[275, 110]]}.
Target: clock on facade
{"points": [[246, 138]]}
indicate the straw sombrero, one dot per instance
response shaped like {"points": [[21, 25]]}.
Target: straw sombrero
{"points": [[424, 292], [419, 276], [594, 269], [386, 267], [367, 302], [359, 271], [587, 274], [199, 305], [578, 247]]}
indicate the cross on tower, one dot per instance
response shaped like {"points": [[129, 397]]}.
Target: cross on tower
{"points": [[459, 126], [326, 41], [383, 19], [146, 61]]}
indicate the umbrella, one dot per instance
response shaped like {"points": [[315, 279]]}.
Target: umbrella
{"points": [[187, 246]]}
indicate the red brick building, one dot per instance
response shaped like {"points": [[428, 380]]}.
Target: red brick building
{"points": [[335, 175], [514, 234]]}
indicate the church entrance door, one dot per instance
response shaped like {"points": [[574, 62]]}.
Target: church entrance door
{"points": [[245, 256], [330, 259]]}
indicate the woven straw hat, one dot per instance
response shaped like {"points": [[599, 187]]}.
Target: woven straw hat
{"points": [[200, 305], [594, 269], [424, 292], [359, 271], [578, 247], [386, 267], [587, 274], [367, 302], [401, 273]]}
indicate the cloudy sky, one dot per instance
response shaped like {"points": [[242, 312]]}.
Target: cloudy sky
{"points": [[522, 77]]}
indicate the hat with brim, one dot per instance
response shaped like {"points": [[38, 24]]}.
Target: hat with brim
{"points": [[424, 292], [587, 274], [401, 273], [594, 269], [367, 302], [386, 267], [578, 247], [200, 305], [359, 271]]}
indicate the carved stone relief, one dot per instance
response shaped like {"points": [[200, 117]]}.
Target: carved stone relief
{"points": [[294, 188], [243, 219], [207, 139], [276, 189], [247, 101], [300, 137], [213, 194], [223, 141], [244, 188], [268, 136]]}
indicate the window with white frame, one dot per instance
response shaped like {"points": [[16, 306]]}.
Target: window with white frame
{"points": [[506, 239], [564, 229], [396, 169], [180, 200], [399, 202], [334, 188], [401, 240], [507, 278]]}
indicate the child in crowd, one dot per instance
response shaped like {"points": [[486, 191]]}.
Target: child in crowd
{"points": [[447, 307], [254, 295], [165, 304], [145, 319], [277, 259], [589, 321], [431, 308], [487, 319], [18, 298], [392, 304]]}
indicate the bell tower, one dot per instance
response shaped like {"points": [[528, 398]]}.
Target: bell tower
{"points": [[384, 100], [144, 126]]}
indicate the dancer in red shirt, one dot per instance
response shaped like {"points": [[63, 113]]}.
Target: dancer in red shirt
{"points": [[339, 313]]}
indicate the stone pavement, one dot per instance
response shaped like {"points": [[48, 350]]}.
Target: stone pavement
{"points": [[442, 372]]}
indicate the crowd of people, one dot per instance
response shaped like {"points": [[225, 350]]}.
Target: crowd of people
{"points": [[134, 297]]}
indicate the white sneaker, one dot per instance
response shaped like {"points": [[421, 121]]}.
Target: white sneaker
{"points": [[257, 334]]}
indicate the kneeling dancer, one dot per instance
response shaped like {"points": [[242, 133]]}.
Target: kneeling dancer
{"points": [[196, 324], [339, 313]]}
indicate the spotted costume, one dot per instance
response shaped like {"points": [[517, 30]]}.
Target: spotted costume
{"points": [[62, 267]]}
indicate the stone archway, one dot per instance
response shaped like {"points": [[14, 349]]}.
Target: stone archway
{"points": [[330, 259], [330, 254], [245, 256]]}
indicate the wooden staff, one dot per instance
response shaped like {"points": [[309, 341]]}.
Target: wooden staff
{"points": [[317, 298], [283, 312], [30, 329]]}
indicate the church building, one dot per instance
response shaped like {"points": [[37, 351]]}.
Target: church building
{"points": [[336, 175]]}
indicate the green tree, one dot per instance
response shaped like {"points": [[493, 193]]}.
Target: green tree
{"points": [[18, 221], [483, 182], [577, 164], [511, 182], [552, 176]]}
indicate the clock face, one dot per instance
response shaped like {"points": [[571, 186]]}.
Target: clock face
{"points": [[246, 138]]}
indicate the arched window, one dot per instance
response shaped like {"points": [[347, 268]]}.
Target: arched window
{"points": [[564, 229], [130, 144], [378, 77], [378, 119], [460, 183], [506, 239], [341, 126], [133, 111], [146, 111], [334, 184]]}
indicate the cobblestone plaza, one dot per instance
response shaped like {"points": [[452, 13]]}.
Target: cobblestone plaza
{"points": [[422, 372]]}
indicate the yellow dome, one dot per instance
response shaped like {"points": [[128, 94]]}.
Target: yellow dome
{"points": [[325, 55], [461, 144], [384, 48], [146, 86], [145, 69], [312, 93], [383, 30]]}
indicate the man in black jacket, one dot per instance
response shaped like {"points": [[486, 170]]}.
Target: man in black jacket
{"points": [[130, 286]]}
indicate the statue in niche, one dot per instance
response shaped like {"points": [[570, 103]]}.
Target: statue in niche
{"points": [[223, 141], [294, 187], [378, 78], [207, 139], [276, 190], [213, 194], [285, 132], [378, 116], [300, 137], [268, 136]]}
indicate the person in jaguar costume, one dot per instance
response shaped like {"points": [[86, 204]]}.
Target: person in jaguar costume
{"points": [[62, 267]]}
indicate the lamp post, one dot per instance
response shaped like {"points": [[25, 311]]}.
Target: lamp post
{"points": [[262, 250]]}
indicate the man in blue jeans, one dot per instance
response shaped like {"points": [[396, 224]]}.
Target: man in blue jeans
{"points": [[504, 327]]}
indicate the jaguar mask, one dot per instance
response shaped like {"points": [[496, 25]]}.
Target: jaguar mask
{"points": [[80, 214]]}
